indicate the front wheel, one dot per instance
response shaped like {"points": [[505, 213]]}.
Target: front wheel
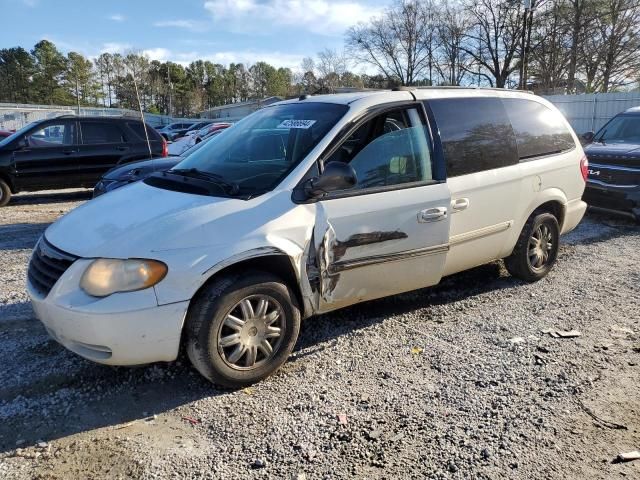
{"points": [[241, 329], [537, 249]]}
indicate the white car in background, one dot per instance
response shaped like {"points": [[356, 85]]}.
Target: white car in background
{"points": [[304, 207], [193, 137]]}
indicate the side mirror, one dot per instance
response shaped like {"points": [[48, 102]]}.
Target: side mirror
{"points": [[588, 136], [336, 176]]}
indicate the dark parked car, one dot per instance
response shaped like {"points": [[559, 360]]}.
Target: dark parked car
{"points": [[5, 133], [133, 172], [70, 151], [614, 165]]}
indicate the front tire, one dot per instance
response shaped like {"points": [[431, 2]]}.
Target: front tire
{"points": [[5, 193], [537, 249], [241, 329]]}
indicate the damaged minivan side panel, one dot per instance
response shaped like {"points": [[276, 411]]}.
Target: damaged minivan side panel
{"points": [[362, 255]]}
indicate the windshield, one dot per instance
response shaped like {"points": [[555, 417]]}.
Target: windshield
{"points": [[259, 151], [621, 129], [14, 135]]}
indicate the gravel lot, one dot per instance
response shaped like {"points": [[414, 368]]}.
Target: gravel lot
{"points": [[456, 381]]}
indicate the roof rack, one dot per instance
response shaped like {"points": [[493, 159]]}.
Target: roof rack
{"points": [[457, 87]]}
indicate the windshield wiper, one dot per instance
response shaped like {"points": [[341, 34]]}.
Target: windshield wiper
{"points": [[231, 187]]}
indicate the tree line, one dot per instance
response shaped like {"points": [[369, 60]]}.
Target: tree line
{"points": [[553, 46]]}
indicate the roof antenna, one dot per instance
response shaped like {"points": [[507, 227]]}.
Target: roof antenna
{"points": [[144, 124]]}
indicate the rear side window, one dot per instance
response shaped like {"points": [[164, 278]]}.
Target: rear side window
{"points": [[538, 129], [101, 132], [138, 129], [476, 134]]}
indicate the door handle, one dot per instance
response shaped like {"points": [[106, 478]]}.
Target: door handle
{"points": [[68, 152], [432, 214], [123, 149], [459, 204]]}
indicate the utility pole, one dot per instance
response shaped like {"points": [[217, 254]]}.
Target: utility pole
{"points": [[527, 22], [527, 46], [78, 94], [523, 47], [170, 86]]}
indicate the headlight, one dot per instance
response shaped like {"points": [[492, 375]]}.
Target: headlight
{"points": [[106, 276]]}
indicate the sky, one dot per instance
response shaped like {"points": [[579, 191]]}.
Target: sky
{"points": [[280, 32]]}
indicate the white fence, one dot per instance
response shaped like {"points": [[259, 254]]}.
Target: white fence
{"points": [[15, 116], [588, 112]]}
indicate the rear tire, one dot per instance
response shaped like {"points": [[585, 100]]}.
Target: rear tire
{"points": [[241, 329], [537, 249], [5, 193]]}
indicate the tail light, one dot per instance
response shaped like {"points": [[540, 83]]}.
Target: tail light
{"points": [[584, 167], [165, 148]]}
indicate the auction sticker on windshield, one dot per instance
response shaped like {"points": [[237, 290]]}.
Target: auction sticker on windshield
{"points": [[296, 124]]}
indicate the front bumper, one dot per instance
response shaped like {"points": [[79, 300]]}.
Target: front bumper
{"points": [[122, 329], [615, 198]]}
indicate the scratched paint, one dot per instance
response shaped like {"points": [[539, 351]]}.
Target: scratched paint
{"points": [[362, 239]]}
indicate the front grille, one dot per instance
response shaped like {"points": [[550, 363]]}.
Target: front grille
{"points": [[47, 265], [614, 175]]}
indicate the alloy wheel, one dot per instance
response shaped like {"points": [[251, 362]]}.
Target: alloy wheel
{"points": [[251, 332], [540, 247]]}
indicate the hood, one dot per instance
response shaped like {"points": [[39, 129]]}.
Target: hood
{"points": [[613, 149], [141, 169], [621, 154], [138, 219]]}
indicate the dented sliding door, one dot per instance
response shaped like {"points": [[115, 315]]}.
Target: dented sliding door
{"points": [[378, 244]]}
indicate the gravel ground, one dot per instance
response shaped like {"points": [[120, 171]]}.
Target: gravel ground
{"points": [[455, 381]]}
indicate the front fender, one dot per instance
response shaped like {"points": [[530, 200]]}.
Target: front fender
{"points": [[190, 269]]}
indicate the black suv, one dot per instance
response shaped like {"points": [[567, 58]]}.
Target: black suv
{"points": [[614, 164], [70, 151]]}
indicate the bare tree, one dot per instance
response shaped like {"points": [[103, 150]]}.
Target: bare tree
{"points": [[331, 66], [396, 43], [494, 39], [551, 44], [620, 32], [452, 61], [581, 13]]}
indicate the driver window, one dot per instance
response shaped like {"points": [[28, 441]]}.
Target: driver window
{"points": [[53, 135], [390, 149]]}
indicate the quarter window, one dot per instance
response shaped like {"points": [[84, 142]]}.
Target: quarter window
{"points": [[390, 149], [94, 133], [476, 134], [138, 129], [53, 135], [538, 129]]}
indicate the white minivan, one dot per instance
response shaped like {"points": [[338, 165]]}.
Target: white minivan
{"points": [[303, 207]]}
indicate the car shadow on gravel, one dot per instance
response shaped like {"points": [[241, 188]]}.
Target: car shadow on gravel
{"points": [[20, 236], [15, 311], [37, 198], [451, 289]]}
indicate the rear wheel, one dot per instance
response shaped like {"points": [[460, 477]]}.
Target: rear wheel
{"points": [[242, 329], [5, 193], [537, 249]]}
